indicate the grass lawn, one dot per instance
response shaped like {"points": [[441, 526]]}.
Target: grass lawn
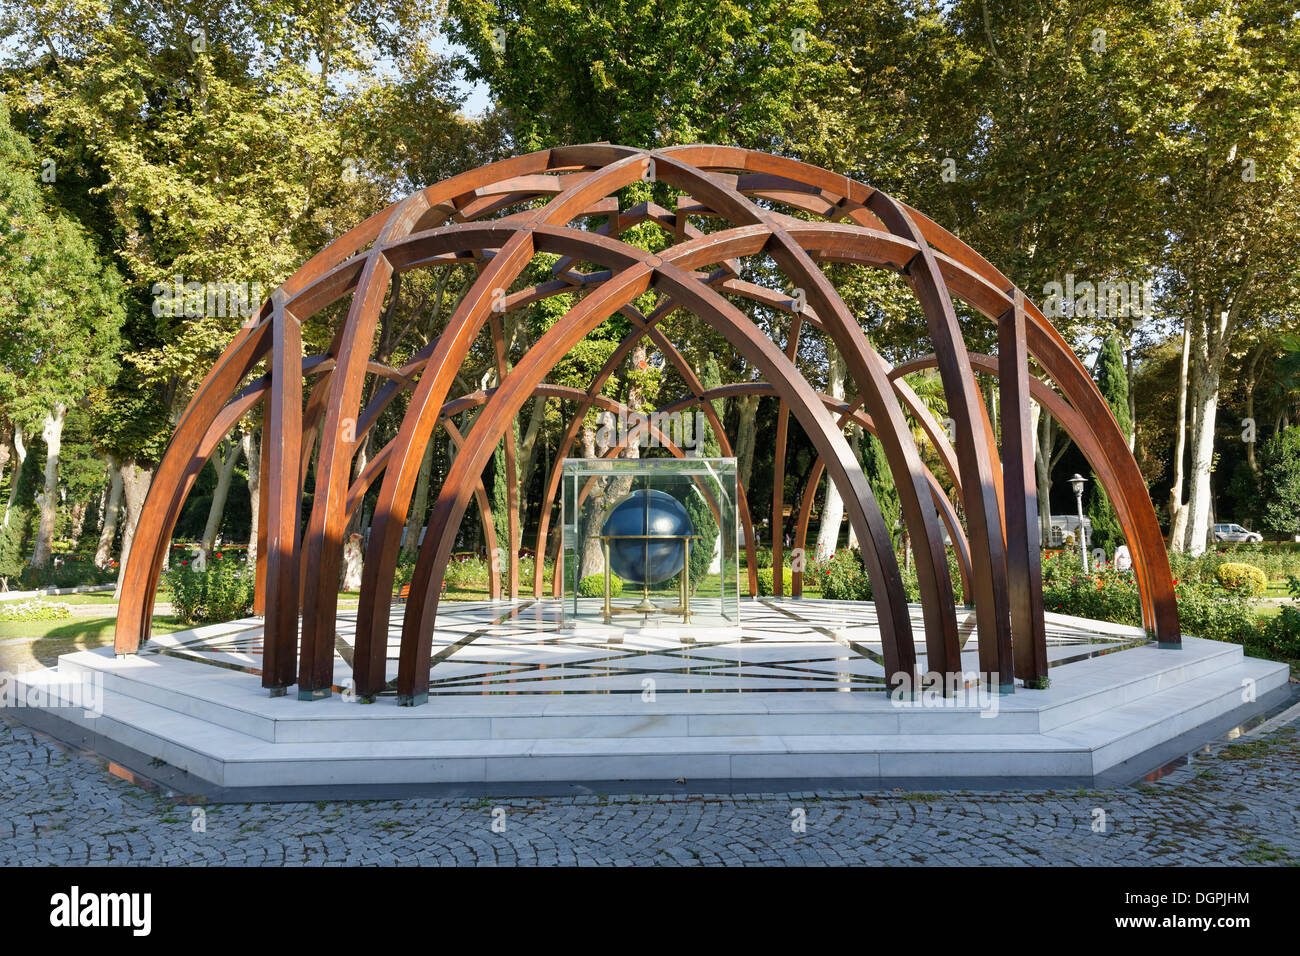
{"points": [[28, 644], [93, 597]]}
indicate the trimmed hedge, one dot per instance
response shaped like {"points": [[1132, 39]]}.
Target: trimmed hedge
{"points": [[593, 585], [765, 579], [1242, 578]]}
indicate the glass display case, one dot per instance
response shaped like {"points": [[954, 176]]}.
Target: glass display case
{"points": [[650, 541]]}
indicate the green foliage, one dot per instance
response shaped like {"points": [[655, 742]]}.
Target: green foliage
{"points": [[646, 74], [62, 306], [34, 611], [1112, 382], [1279, 637], [467, 572], [766, 577], [593, 585], [842, 576], [1280, 463], [1205, 608], [221, 591], [1245, 579], [17, 535], [1278, 560], [12, 550], [876, 467], [68, 573]]}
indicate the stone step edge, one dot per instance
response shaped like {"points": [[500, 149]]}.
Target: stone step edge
{"points": [[1026, 743], [242, 715]]}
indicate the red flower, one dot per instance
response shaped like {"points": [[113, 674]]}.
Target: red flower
{"points": [[218, 554]]}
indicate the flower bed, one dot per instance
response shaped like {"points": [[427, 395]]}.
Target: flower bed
{"points": [[34, 611]]}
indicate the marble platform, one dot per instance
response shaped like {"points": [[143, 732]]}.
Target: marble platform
{"points": [[795, 692]]}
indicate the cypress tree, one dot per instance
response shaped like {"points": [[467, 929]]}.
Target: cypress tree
{"points": [[1112, 382]]}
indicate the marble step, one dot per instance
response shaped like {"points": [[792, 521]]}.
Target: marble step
{"points": [[235, 700], [230, 758]]}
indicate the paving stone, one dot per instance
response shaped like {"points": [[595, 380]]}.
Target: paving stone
{"points": [[1231, 806]]}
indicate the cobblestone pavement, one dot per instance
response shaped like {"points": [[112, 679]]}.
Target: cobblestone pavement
{"points": [[1236, 805]]}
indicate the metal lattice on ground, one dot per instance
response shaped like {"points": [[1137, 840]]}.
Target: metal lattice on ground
{"points": [[492, 217]]}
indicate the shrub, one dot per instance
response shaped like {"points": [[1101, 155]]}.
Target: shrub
{"points": [[221, 591], [1278, 637], [34, 611], [1103, 595], [765, 579], [405, 571], [842, 577], [593, 585], [70, 573], [467, 572], [1278, 560], [1205, 608], [1244, 579]]}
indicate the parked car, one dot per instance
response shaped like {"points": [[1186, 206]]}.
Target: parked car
{"points": [[1235, 532]]}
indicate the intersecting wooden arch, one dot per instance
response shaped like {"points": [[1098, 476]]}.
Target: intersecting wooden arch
{"points": [[469, 219]]}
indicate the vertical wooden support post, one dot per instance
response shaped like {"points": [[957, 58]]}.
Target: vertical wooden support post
{"points": [[282, 438], [263, 497], [1024, 568]]}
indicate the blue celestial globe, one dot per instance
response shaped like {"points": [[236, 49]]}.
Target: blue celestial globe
{"points": [[645, 561]]}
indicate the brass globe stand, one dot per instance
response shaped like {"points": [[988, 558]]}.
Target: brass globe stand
{"points": [[683, 608]]}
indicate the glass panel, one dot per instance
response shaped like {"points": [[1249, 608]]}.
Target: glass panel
{"points": [[665, 531]]}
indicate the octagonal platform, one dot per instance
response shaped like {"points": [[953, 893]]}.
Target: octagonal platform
{"points": [[795, 693]]}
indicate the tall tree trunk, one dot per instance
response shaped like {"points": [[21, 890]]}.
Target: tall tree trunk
{"points": [[1251, 381], [527, 455], [1177, 510], [52, 432], [251, 442], [1205, 396], [6, 452], [20, 453], [419, 503], [111, 511], [1043, 441], [135, 485], [855, 442], [77, 512], [828, 529], [593, 446], [1209, 351], [747, 410], [1132, 399], [217, 509]]}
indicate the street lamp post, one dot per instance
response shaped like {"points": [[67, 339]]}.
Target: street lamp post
{"points": [[1077, 483]]}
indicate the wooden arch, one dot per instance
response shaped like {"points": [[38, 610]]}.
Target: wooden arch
{"points": [[499, 217]]}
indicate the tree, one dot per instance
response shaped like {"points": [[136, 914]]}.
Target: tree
{"points": [[1112, 382], [702, 520], [1281, 482], [17, 534], [60, 315], [876, 468], [645, 74], [1231, 156]]}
